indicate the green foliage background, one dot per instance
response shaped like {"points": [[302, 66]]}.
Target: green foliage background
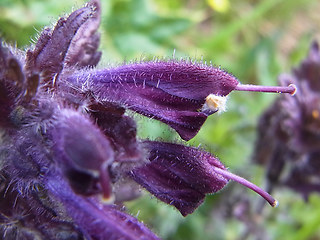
{"points": [[256, 40]]}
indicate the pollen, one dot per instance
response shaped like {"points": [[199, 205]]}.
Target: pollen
{"points": [[216, 102]]}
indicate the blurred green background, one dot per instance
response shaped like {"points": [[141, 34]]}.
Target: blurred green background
{"points": [[254, 40]]}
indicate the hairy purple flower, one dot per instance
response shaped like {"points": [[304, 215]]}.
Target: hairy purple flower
{"points": [[68, 149], [289, 131], [179, 93], [181, 176]]}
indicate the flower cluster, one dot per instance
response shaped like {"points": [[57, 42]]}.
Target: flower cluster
{"points": [[289, 131], [69, 153]]}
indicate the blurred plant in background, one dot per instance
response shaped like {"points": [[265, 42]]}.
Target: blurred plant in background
{"points": [[256, 41]]}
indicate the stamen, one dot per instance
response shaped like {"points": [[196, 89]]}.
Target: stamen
{"points": [[246, 183], [291, 89], [215, 103]]}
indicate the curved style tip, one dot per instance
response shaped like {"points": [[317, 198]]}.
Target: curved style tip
{"points": [[294, 89], [275, 204]]}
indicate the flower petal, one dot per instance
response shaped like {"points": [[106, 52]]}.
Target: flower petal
{"points": [[95, 220], [173, 92], [120, 129], [179, 175]]}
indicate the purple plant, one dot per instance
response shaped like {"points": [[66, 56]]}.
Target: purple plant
{"points": [[68, 150], [289, 131]]}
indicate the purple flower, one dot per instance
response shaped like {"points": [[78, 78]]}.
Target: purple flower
{"points": [[181, 176], [68, 148], [179, 93], [288, 134]]}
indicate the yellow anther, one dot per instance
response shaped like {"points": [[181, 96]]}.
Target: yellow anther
{"points": [[216, 103]]}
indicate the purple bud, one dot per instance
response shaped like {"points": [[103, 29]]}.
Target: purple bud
{"points": [[12, 83], [83, 48], [52, 47], [83, 153]]}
